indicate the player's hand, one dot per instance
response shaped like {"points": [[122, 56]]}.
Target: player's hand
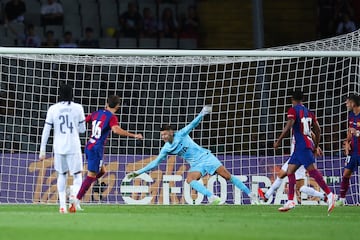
{"points": [[42, 156], [354, 132], [207, 109], [138, 136], [132, 175], [318, 152], [276, 145], [347, 148]]}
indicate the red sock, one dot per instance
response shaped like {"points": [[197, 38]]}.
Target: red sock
{"points": [[292, 183], [85, 186], [344, 186], [100, 174], [315, 174]]}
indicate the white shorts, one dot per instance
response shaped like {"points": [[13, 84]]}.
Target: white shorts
{"points": [[72, 163], [299, 174]]}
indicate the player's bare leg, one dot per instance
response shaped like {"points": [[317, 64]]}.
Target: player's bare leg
{"points": [[290, 204], [192, 179], [345, 183], [222, 171], [316, 175]]}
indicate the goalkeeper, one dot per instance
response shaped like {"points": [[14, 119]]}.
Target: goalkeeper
{"points": [[201, 160]]}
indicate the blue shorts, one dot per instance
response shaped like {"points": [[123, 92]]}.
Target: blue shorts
{"points": [[208, 164], [302, 157], [353, 163], [94, 158]]}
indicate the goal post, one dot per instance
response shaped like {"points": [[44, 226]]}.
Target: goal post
{"points": [[249, 92]]}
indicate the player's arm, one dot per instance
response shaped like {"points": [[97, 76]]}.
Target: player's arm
{"points": [[194, 123], [119, 131], [347, 141], [82, 125], [162, 156], [317, 133], [45, 135], [287, 127], [115, 128]]}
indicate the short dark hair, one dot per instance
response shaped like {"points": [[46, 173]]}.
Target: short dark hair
{"points": [[89, 29], [355, 98], [113, 101], [166, 128], [297, 95], [65, 93]]}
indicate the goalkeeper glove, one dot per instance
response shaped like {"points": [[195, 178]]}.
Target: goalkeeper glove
{"points": [[132, 175], [207, 109]]}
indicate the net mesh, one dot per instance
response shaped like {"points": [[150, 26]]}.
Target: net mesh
{"points": [[250, 101]]}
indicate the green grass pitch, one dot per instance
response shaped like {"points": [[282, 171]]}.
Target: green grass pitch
{"points": [[178, 222]]}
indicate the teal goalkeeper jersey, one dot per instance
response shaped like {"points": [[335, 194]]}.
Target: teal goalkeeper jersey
{"points": [[182, 146]]}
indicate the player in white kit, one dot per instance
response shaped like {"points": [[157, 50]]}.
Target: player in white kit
{"points": [[300, 176], [68, 120]]}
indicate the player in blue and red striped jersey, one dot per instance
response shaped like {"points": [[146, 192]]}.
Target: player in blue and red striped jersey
{"points": [[300, 119], [351, 145], [103, 122]]}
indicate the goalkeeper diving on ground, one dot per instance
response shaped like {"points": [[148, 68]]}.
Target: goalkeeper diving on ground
{"points": [[201, 160]]}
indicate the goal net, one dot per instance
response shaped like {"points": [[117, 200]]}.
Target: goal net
{"points": [[247, 89]]}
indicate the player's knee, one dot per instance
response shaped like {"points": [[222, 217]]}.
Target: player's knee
{"points": [[189, 179], [282, 174]]}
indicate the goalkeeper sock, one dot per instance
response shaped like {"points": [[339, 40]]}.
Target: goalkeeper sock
{"points": [[61, 186], [311, 192], [85, 186], [275, 186], [76, 183], [239, 184], [200, 188]]}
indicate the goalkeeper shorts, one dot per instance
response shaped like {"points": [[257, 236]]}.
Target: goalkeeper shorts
{"points": [[207, 164]]}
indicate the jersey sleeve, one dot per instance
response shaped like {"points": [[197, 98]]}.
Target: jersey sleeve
{"points": [[291, 114], [313, 117], [82, 126], [88, 118], [113, 121], [162, 156], [193, 124], [49, 117]]}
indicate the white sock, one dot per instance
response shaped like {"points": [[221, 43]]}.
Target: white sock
{"points": [[77, 183], [311, 192], [276, 184], [61, 186]]}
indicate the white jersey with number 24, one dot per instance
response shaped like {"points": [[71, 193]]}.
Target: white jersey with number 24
{"points": [[68, 120]]}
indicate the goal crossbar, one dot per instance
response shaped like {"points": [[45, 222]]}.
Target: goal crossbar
{"points": [[178, 53]]}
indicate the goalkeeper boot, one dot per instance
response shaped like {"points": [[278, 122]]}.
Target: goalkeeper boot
{"points": [[290, 204], [331, 202], [254, 199], [214, 200]]}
